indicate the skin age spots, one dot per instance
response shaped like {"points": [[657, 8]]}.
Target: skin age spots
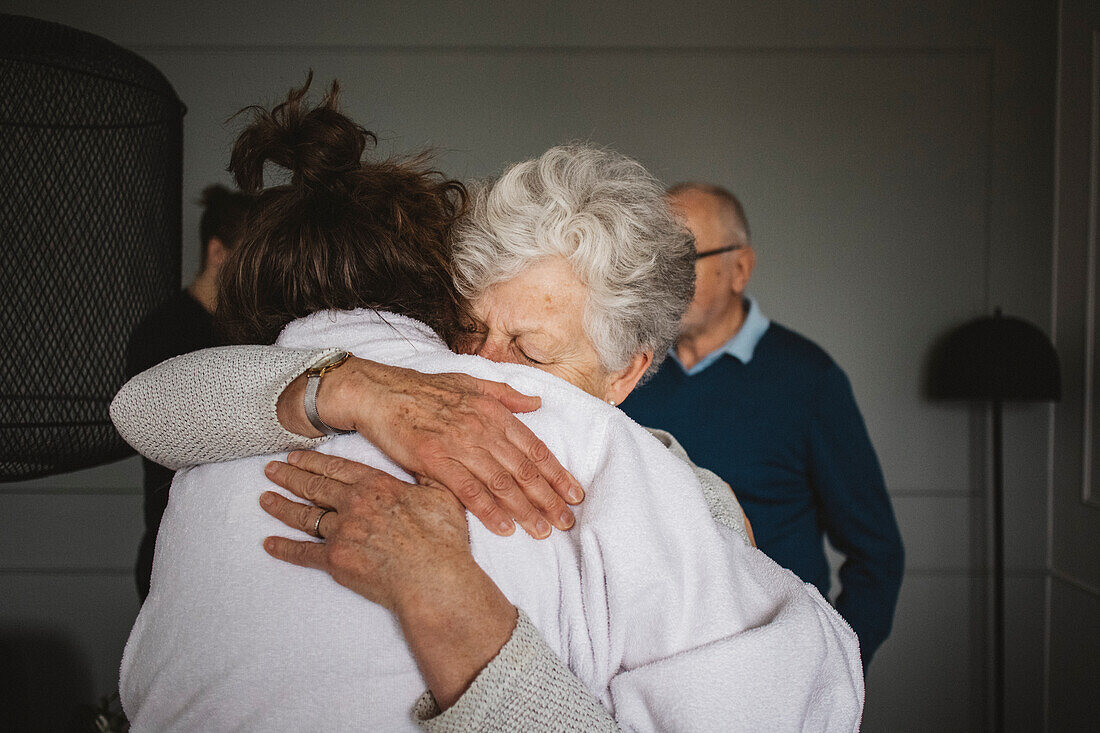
{"points": [[536, 318]]}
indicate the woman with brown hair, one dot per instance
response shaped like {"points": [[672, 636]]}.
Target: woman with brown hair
{"points": [[341, 236], [663, 616]]}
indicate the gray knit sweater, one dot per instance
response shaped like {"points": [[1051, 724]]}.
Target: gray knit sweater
{"points": [[220, 404]]}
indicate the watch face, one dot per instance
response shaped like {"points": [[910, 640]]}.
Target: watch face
{"points": [[330, 360]]}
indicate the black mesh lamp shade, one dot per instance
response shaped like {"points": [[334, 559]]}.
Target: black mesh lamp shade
{"points": [[996, 359], [90, 170]]}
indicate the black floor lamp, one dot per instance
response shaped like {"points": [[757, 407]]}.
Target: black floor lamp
{"points": [[996, 359]]}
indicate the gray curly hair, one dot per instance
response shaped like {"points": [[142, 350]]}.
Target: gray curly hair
{"points": [[609, 218]]}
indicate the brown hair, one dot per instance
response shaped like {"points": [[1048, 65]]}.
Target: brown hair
{"points": [[223, 216], [343, 233]]}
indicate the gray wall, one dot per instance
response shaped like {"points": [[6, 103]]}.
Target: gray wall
{"points": [[1074, 585], [895, 160]]}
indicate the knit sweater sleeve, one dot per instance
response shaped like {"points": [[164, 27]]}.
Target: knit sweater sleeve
{"points": [[526, 687], [212, 405]]}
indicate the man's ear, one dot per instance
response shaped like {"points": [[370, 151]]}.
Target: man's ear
{"points": [[744, 262], [622, 382], [216, 252]]}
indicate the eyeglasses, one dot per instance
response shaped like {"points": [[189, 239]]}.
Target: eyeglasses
{"points": [[720, 250]]}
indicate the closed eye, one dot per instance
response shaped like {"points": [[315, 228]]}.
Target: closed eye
{"points": [[528, 358]]}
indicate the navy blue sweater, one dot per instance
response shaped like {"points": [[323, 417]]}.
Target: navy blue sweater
{"points": [[784, 431]]}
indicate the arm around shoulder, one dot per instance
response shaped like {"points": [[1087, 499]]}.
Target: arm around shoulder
{"points": [[212, 405]]}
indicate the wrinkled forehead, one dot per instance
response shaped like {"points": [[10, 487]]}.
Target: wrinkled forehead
{"points": [[545, 297]]}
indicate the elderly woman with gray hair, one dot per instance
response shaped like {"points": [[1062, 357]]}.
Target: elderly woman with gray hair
{"points": [[664, 619]]}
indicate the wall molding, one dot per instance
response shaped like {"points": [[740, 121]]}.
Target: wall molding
{"points": [[592, 50], [1058, 575], [1089, 427]]}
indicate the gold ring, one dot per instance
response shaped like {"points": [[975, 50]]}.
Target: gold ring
{"points": [[317, 524]]}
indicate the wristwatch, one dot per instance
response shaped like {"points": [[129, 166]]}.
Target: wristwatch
{"points": [[313, 383]]}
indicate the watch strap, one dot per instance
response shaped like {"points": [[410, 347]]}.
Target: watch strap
{"points": [[313, 383]]}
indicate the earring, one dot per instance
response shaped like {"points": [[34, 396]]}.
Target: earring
{"points": [[611, 402]]}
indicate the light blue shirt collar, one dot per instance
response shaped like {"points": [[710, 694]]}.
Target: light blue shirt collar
{"points": [[740, 347]]}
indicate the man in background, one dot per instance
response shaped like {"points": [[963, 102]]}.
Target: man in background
{"points": [[184, 323], [771, 413]]}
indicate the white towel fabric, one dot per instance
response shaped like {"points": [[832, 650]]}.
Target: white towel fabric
{"points": [[670, 619]]}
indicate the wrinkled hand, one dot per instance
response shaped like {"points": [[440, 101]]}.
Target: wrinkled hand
{"points": [[404, 547], [384, 539], [458, 432]]}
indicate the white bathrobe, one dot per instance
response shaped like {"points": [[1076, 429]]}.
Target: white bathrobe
{"points": [[672, 621]]}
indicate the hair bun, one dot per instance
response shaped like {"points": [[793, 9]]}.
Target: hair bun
{"points": [[319, 146]]}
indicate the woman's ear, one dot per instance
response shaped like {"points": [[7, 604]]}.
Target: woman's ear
{"points": [[216, 253], [622, 383]]}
